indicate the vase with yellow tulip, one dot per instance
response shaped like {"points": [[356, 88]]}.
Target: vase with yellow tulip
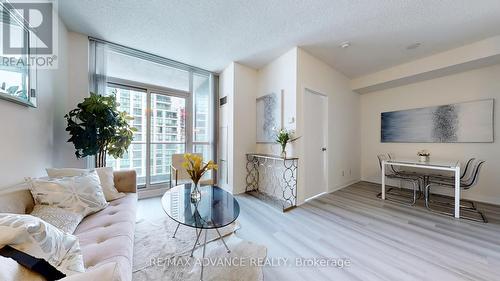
{"points": [[196, 169]]}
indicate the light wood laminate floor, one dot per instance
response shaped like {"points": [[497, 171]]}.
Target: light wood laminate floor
{"points": [[382, 240]]}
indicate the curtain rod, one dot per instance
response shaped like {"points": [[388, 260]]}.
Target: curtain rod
{"points": [[153, 57]]}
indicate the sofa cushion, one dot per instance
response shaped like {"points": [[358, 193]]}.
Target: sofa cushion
{"points": [[81, 194], [107, 271], [106, 177], [99, 265], [108, 236], [40, 239], [17, 199]]}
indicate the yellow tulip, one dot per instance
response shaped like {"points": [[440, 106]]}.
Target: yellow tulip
{"points": [[195, 167], [197, 163]]}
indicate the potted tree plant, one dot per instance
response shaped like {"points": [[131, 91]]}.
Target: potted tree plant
{"points": [[98, 128]]}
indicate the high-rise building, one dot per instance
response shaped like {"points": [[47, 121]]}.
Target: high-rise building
{"points": [[167, 126]]}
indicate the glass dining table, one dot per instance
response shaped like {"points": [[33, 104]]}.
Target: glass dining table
{"points": [[437, 165]]}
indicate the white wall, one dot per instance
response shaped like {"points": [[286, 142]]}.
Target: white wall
{"points": [[280, 76], [472, 56], [343, 124], [245, 88], [77, 84], [236, 124], [467, 86], [27, 142], [226, 129], [290, 73]]}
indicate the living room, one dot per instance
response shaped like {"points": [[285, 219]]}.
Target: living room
{"points": [[249, 140]]}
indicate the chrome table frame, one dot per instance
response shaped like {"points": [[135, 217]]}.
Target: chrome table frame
{"points": [[455, 168], [198, 234]]}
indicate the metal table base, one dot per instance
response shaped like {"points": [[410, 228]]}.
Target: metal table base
{"points": [[198, 234]]}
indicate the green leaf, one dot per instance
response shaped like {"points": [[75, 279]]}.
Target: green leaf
{"points": [[97, 125]]}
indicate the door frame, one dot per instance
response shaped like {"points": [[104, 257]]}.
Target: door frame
{"points": [[326, 126]]}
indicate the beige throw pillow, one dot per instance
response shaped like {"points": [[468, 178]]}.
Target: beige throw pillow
{"points": [[40, 239], [80, 194], [65, 220], [105, 175]]}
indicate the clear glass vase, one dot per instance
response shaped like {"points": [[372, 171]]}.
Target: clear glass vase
{"points": [[195, 192], [283, 151]]}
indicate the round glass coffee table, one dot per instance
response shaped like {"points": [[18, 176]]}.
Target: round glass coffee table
{"points": [[216, 208]]}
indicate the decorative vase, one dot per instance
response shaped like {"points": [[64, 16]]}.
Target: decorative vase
{"points": [[195, 192], [283, 151], [424, 158]]}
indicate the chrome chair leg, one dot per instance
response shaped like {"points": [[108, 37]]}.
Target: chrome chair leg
{"points": [[420, 185], [379, 195], [426, 191], [471, 207], [414, 194], [476, 211], [411, 203]]}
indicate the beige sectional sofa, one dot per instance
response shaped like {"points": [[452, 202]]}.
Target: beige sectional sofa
{"points": [[106, 237]]}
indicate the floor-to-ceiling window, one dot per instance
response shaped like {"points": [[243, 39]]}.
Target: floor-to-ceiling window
{"points": [[172, 110]]}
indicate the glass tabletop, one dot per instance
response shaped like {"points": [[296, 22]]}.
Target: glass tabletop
{"points": [[431, 162], [217, 207]]}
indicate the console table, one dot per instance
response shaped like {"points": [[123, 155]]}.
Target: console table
{"points": [[273, 179]]}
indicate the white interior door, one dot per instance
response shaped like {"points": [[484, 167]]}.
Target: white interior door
{"points": [[315, 141]]}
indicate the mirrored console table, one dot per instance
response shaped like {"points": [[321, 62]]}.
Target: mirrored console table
{"points": [[273, 179]]}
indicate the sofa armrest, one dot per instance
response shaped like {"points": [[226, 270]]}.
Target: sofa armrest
{"points": [[126, 181]]}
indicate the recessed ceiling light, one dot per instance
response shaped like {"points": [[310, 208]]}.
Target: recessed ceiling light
{"points": [[345, 45], [413, 46]]}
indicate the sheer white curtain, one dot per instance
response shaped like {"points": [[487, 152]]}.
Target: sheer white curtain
{"points": [[97, 76], [98, 67]]}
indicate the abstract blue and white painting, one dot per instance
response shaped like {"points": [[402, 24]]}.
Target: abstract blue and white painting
{"points": [[461, 122], [268, 117]]}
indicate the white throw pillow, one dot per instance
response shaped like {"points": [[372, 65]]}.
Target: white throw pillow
{"points": [[105, 175], [65, 220], [40, 239], [80, 194]]}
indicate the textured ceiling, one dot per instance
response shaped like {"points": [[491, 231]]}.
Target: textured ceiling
{"points": [[210, 34]]}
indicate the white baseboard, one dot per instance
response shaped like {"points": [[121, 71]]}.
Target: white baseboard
{"points": [[316, 196], [330, 190]]}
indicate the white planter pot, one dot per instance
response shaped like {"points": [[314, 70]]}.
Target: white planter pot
{"points": [[424, 158]]}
